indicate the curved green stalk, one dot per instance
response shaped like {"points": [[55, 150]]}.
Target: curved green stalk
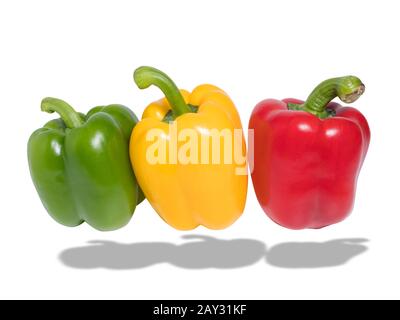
{"points": [[348, 89], [146, 76], [71, 118]]}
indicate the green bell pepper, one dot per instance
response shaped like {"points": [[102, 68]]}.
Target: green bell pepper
{"points": [[80, 165]]}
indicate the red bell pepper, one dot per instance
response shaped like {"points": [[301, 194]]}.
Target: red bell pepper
{"points": [[307, 155]]}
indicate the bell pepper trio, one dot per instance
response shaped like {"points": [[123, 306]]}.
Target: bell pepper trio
{"points": [[183, 157]]}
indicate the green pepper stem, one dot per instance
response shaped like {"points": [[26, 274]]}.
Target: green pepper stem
{"points": [[146, 76], [348, 89], [71, 118]]}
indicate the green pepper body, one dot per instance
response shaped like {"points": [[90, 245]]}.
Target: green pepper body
{"points": [[82, 172]]}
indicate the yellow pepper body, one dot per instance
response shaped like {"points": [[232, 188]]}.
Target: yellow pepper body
{"points": [[191, 188]]}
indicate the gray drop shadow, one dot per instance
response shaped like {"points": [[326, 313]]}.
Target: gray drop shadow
{"points": [[202, 252], [315, 254], [206, 252]]}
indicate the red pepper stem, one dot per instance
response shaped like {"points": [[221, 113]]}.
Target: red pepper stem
{"points": [[71, 118], [146, 76], [348, 89]]}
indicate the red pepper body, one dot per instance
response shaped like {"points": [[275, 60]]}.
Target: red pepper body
{"points": [[306, 168]]}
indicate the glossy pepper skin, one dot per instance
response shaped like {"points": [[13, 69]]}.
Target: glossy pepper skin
{"points": [[307, 155], [80, 165], [187, 195]]}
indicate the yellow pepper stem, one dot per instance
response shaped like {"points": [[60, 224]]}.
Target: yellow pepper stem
{"points": [[146, 76]]}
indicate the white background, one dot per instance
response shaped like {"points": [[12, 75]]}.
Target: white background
{"points": [[85, 52]]}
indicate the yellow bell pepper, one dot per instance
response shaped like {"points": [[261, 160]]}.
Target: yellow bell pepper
{"points": [[189, 154]]}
